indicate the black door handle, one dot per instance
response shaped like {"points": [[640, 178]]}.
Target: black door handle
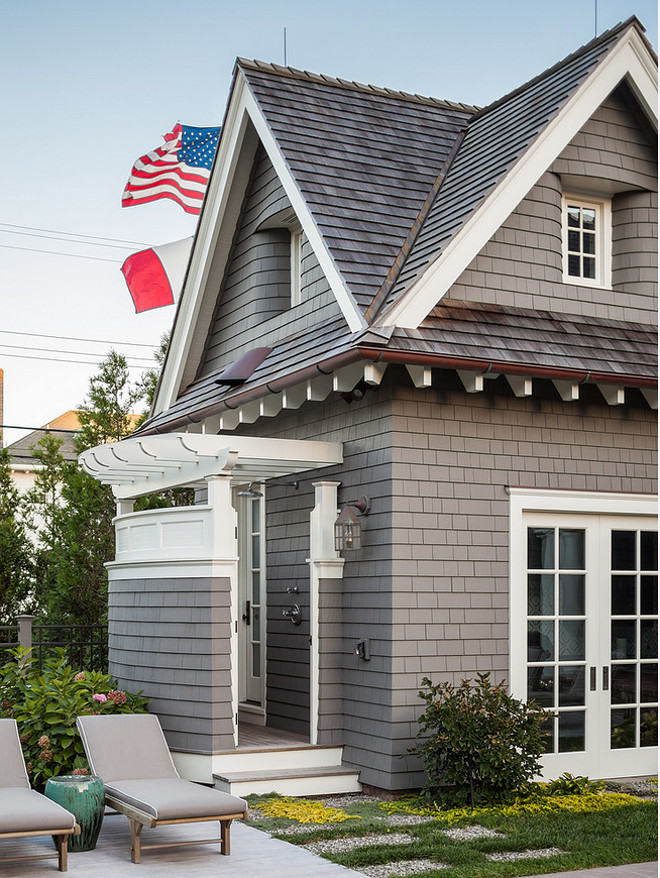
{"points": [[246, 614]]}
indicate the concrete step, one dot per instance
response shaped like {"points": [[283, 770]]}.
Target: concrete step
{"points": [[312, 781]]}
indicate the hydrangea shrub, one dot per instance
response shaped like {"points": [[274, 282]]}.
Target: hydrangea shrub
{"points": [[45, 705]]}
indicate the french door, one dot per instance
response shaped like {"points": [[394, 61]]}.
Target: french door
{"points": [[585, 624], [251, 589]]}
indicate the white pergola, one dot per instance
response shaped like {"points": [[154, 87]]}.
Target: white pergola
{"points": [[143, 465]]}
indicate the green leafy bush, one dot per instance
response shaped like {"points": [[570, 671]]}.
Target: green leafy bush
{"points": [[45, 706], [478, 743]]}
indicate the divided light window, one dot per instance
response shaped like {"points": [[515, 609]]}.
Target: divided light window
{"points": [[587, 233]]}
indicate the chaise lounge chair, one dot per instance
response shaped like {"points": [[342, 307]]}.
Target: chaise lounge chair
{"points": [[23, 811], [130, 754]]}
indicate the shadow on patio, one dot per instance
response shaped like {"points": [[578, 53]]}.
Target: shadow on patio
{"points": [[254, 854]]}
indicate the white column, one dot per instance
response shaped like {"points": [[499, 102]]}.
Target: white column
{"points": [[225, 564], [324, 563]]}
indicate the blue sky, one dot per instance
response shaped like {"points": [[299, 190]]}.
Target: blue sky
{"points": [[88, 87]]}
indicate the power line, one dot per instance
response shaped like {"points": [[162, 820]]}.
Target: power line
{"points": [[75, 362], [58, 253], [74, 234], [55, 237], [72, 338], [57, 351], [38, 429]]}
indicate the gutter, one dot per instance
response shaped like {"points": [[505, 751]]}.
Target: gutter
{"points": [[354, 355], [439, 361]]}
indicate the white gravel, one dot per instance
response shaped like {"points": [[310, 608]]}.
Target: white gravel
{"points": [[508, 856], [400, 868], [467, 833], [340, 845]]}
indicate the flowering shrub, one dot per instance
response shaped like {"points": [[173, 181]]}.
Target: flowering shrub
{"points": [[303, 810], [45, 706]]}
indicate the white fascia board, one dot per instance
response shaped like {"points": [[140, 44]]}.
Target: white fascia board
{"points": [[193, 295], [349, 308], [630, 59], [580, 502]]}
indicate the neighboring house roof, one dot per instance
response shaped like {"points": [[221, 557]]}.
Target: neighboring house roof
{"points": [[397, 194], [63, 427], [21, 453]]}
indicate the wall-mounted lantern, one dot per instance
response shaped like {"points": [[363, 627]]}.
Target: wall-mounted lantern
{"points": [[348, 529]]}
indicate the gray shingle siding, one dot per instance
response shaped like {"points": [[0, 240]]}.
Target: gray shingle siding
{"points": [[254, 303], [169, 638], [521, 266], [430, 586]]}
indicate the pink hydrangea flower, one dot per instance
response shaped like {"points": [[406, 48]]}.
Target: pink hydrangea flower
{"points": [[43, 741], [100, 697], [117, 696], [80, 771], [79, 676]]}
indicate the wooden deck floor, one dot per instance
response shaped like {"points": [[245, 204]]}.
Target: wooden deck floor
{"points": [[252, 737], [254, 854]]}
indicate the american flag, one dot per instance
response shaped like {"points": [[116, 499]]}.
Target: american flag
{"points": [[179, 169]]}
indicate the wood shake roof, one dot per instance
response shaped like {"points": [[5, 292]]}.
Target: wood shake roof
{"points": [[390, 179]]}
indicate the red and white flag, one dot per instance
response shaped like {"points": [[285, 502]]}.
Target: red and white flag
{"points": [[179, 169], [155, 276]]}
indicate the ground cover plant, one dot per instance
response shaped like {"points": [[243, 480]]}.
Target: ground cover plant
{"points": [[570, 824]]}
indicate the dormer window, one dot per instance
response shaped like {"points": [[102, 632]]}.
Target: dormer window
{"points": [[587, 237]]}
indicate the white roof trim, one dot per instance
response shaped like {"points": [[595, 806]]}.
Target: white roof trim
{"points": [[630, 58], [197, 300], [144, 465]]}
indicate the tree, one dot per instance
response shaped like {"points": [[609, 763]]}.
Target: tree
{"points": [[16, 550], [77, 536]]}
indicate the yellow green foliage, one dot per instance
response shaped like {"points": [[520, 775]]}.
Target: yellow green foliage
{"points": [[303, 810], [533, 803]]}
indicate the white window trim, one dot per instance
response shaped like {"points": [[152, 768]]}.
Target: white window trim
{"points": [[522, 500], [603, 207]]}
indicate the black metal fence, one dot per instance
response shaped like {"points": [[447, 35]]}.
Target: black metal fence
{"points": [[86, 646]]}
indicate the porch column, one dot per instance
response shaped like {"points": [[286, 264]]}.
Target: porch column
{"points": [[225, 565], [325, 563]]}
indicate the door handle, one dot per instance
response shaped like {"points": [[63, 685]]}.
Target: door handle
{"points": [[592, 678], [606, 678], [246, 614]]}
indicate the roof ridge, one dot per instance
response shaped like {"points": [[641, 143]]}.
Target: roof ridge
{"points": [[323, 79], [604, 37]]}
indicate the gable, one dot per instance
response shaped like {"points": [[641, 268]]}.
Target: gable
{"points": [[521, 265], [254, 299], [508, 147]]}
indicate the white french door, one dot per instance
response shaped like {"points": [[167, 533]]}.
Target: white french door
{"points": [[584, 641], [251, 591]]}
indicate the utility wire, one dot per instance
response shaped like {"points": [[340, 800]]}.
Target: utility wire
{"points": [[75, 362], [73, 234], [58, 351], [58, 253], [73, 338], [55, 237]]}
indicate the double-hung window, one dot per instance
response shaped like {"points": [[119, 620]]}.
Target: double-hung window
{"points": [[587, 237]]}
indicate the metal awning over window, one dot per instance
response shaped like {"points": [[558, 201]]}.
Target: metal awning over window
{"points": [[143, 465]]}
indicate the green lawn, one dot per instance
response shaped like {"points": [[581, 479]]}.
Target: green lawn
{"points": [[619, 835]]}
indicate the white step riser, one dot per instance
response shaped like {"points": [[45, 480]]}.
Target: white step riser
{"points": [[294, 786], [272, 760]]}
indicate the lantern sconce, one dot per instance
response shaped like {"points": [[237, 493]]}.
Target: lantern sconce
{"points": [[348, 529]]}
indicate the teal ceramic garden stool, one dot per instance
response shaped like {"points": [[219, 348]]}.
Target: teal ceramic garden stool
{"points": [[84, 796]]}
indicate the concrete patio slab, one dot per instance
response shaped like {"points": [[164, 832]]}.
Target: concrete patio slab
{"points": [[254, 854]]}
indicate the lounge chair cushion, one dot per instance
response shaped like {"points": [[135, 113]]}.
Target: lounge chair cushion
{"points": [[126, 746], [12, 764], [25, 810], [175, 799]]}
